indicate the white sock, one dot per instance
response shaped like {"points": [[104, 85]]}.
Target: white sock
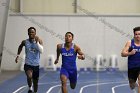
{"points": [[73, 91], [30, 88], [135, 90]]}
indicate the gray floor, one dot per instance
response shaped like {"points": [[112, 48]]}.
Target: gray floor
{"points": [[5, 75]]}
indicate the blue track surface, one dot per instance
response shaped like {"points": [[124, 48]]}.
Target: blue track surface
{"points": [[88, 82]]}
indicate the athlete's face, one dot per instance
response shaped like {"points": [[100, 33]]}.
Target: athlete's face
{"points": [[68, 38], [32, 33], [137, 35]]}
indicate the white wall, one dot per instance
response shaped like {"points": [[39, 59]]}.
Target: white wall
{"points": [[3, 20], [66, 6], [94, 36], [111, 6]]}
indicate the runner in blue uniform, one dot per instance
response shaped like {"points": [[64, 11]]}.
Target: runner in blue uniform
{"points": [[132, 51], [69, 51], [33, 48]]}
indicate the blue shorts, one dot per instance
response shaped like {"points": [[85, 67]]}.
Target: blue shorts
{"points": [[71, 74]]}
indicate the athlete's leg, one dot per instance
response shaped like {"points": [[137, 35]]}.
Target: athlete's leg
{"points": [[73, 85], [35, 78], [64, 83], [63, 77], [29, 77], [35, 84], [139, 83], [73, 78], [133, 85], [132, 76], [28, 72]]}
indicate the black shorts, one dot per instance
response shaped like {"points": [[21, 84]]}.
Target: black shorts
{"points": [[35, 70], [133, 73]]}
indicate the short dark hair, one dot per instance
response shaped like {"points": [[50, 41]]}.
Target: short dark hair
{"points": [[136, 29], [31, 28], [70, 33]]}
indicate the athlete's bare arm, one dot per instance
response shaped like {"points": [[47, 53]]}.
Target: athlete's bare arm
{"points": [[19, 50], [58, 51], [80, 53], [125, 51]]}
